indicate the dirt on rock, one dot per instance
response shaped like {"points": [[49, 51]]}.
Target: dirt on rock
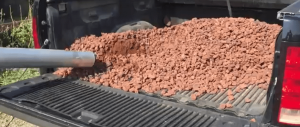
{"points": [[200, 55]]}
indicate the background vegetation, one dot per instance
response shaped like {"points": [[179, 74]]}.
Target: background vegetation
{"points": [[17, 34]]}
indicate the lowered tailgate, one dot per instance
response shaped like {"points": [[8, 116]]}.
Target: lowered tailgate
{"points": [[50, 101]]}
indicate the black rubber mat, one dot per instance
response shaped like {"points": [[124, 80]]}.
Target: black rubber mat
{"points": [[104, 106], [213, 101]]}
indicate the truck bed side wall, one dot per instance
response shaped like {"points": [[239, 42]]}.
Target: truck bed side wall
{"points": [[80, 18], [74, 19]]}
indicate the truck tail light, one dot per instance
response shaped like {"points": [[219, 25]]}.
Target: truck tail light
{"points": [[35, 34], [289, 110]]}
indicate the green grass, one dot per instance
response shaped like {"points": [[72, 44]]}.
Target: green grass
{"points": [[8, 77], [12, 76]]}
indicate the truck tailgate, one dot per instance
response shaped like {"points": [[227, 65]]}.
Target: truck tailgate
{"points": [[50, 101]]}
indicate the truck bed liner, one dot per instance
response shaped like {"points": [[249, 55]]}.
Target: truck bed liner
{"points": [[213, 101], [89, 104]]}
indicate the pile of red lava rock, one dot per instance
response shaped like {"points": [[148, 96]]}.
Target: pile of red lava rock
{"points": [[200, 55]]}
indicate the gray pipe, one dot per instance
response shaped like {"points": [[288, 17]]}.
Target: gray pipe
{"points": [[42, 58]]}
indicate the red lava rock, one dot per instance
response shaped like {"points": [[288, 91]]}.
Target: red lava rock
{"points": [[241, 87], [270, 66], [229, 93], [169, 93], [201, 55], [230, 98], [238, 89], [229, 105], [247, 100], [224, 106], [253, 120], [193, 96], [163, 92]]}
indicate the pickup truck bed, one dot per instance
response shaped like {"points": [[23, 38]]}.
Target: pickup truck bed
{"points": [[51, 101]]}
